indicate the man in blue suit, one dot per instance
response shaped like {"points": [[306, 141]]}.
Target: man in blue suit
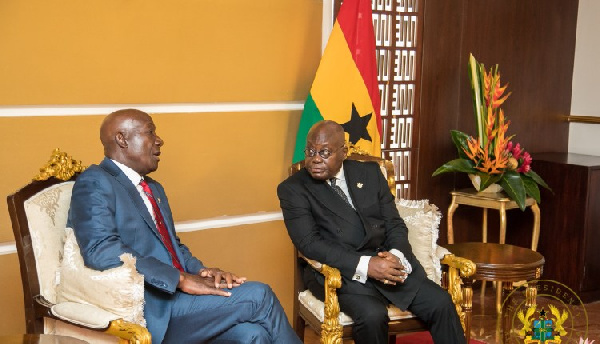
{"points": [[116, 208]]}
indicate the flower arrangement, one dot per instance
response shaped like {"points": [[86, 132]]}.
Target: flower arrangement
{"points": [[491, 155]]}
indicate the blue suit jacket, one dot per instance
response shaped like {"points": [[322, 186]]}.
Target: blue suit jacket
{"points": [[109, 218]]}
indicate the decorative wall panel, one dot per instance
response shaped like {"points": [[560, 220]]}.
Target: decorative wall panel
{"points": [[397, 38]]}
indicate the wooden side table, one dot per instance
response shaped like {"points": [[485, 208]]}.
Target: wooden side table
{"points": [[504, 264], [498, 201]]}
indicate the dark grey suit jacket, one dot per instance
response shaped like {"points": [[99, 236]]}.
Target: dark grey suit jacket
{"points": [[323, 227]]}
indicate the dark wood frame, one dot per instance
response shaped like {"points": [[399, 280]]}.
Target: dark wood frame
{"points": [[36, 306]]}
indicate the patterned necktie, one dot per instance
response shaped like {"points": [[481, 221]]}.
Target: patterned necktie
{"points": [[338, 190], [160, 225]]}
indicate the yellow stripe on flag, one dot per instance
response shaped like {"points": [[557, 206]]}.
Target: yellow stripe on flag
{"points": [[338, 84]]}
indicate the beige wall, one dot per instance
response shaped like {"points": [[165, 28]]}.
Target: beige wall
{"points": [[70, 52], [585, 138]]}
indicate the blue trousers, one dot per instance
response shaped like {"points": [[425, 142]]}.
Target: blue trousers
{"points": [[252, 314]]}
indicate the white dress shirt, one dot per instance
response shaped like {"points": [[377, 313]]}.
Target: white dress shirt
{"points": [[136, 179]]}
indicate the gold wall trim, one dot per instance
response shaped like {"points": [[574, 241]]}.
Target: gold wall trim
{"points": [[196, 225], [93, 110], [582, 119]]}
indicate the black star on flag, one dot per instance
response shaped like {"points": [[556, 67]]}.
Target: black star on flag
{"points": [[356, 127]]}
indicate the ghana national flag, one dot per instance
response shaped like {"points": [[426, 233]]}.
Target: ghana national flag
{"points": [[345, 86]]}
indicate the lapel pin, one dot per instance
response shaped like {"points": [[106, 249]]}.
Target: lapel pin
{"points": [[359, 185], [158, 199]]}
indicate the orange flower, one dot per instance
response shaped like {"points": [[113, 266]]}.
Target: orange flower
{"points": [[492, 89]]}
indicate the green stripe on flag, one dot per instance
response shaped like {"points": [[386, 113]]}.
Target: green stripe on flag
{"points": [[310, 116]]}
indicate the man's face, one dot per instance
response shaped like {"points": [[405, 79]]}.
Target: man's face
{"points": [[143, 144], [324, 141]]}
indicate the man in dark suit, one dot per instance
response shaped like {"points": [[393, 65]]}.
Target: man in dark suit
{"points": [[116, 208], [342, 213]]}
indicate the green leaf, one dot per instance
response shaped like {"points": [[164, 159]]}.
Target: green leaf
{"points": [[536, 178], [488, 179], [531, 188], [513, 185], [456, 165], [460, 141]]}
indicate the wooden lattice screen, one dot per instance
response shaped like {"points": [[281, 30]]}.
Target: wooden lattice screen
{"points": [[398, 26]]}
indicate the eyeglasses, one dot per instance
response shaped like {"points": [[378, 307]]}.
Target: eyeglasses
{"points": [[324, 153]]}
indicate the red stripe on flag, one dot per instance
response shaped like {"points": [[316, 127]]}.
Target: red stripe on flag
{"points": [[355, 19]]}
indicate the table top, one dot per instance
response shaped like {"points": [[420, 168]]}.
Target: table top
{"points": [[39, 339], [500, 262], [494, 200]]}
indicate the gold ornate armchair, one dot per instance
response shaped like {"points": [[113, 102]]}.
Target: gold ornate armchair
{"points": [[61, 295], [422, 220]]}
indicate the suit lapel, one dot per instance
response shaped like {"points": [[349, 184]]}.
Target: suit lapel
{"points": [[133, 193], [356, 181], [358, 186], [329, 199]]}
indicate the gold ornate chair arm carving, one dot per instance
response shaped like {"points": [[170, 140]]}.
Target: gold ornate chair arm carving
{"points": [[129, 332], [459, 269], [331, 330], [466, 267]]}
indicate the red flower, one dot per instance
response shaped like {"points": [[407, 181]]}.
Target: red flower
{"points": [[526, 164], [516, 151]]}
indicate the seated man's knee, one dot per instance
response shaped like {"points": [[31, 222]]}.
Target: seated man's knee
{"points": [[258, 292], [443, 303], [372, 317], [244, 333]]}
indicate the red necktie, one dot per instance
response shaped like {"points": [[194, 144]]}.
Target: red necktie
{"points": [[160, 225]]}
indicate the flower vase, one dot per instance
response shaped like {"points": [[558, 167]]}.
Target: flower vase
{"points": [[476, 180]]}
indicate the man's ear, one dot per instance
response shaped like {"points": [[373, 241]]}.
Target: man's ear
{"points": [[121, 140]]}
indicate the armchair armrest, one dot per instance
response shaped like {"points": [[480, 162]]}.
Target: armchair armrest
{"points": [[459, 271], [331, 327], [94, 318]]}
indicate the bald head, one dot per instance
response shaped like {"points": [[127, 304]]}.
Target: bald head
{"points": [[326, 143], [129, 137], [330, 129]]}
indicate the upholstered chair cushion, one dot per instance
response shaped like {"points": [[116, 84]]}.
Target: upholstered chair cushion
{"points": [[422, 220], [119, 291], [317, 308], [47, 217]]}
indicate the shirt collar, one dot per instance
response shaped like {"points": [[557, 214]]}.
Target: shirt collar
{"points": [[132, 175], [340, 175]]}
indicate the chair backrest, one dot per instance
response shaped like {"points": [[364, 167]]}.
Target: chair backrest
{"points": [[38, 214], [387, 168]]}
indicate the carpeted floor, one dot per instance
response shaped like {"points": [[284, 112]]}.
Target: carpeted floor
{"points": [[423, 338]]}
